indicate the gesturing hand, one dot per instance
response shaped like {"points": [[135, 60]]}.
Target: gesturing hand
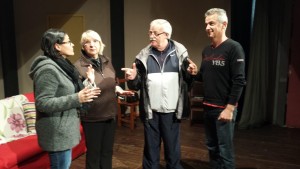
{"points": [[88, 95], [130, 74], [90, 74], [192, 69], [126, 93]]}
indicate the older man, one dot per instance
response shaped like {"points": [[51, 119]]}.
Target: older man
{"points": [[162, 72]]}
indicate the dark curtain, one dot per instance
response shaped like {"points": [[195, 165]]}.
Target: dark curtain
{"points": [[8, 55], [265, 95]]}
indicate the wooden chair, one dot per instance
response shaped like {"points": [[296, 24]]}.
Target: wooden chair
{"points": [[196, 102], [122, 118]]}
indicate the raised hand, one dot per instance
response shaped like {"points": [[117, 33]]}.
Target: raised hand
{"points": [[90, 73], [192, 69], [130, 73]]}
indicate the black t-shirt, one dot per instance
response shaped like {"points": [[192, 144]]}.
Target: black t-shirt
{"points": [[223, 73]]}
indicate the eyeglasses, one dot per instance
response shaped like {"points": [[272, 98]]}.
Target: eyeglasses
{"points": [[69, 42], [155, 33]]}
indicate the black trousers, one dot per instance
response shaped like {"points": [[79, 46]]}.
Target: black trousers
{"points": [[99, 142], [166, 128]]}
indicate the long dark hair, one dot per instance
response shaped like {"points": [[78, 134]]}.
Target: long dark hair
{"points": [[49, 39]]}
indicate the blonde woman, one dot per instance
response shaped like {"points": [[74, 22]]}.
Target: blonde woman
{"points": [[99, 121]]}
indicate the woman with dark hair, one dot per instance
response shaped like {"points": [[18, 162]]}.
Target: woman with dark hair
{"points": [[59, 95]]}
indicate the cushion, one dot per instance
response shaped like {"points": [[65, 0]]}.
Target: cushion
{"points": [[30, 96], [30, 116], [13, 125], [18, 151]]}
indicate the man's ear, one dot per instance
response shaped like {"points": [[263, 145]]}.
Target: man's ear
{"points": [[224, 25]]}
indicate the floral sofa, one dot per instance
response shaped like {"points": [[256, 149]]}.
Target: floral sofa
{"points": [[19, 147]]}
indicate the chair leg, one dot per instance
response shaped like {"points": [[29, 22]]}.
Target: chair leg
{"points": [[132, 117], [119, 116]]}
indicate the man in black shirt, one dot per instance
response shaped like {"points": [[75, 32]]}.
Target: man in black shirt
{"points": [[223, 76]]}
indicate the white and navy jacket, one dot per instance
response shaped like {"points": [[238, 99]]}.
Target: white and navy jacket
{"points": [[163, 88]]}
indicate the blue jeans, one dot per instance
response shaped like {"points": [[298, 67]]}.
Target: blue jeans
{"points": [[60, 159], [219, 139], [163, 127]]}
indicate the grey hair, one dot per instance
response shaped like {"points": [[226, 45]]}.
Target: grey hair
{"points": [[222, 16], [164, 24]]}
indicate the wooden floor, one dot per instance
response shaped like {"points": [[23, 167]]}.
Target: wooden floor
{"points": [[270, 147]]}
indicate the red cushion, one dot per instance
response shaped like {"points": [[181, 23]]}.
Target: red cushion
{"points": [[30, 96], [26, 154], [17, 151]]}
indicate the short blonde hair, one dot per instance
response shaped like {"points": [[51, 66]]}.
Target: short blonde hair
{"points": [[90, 34]]}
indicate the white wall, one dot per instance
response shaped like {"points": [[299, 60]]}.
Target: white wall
{"points": [[187, 20]]}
